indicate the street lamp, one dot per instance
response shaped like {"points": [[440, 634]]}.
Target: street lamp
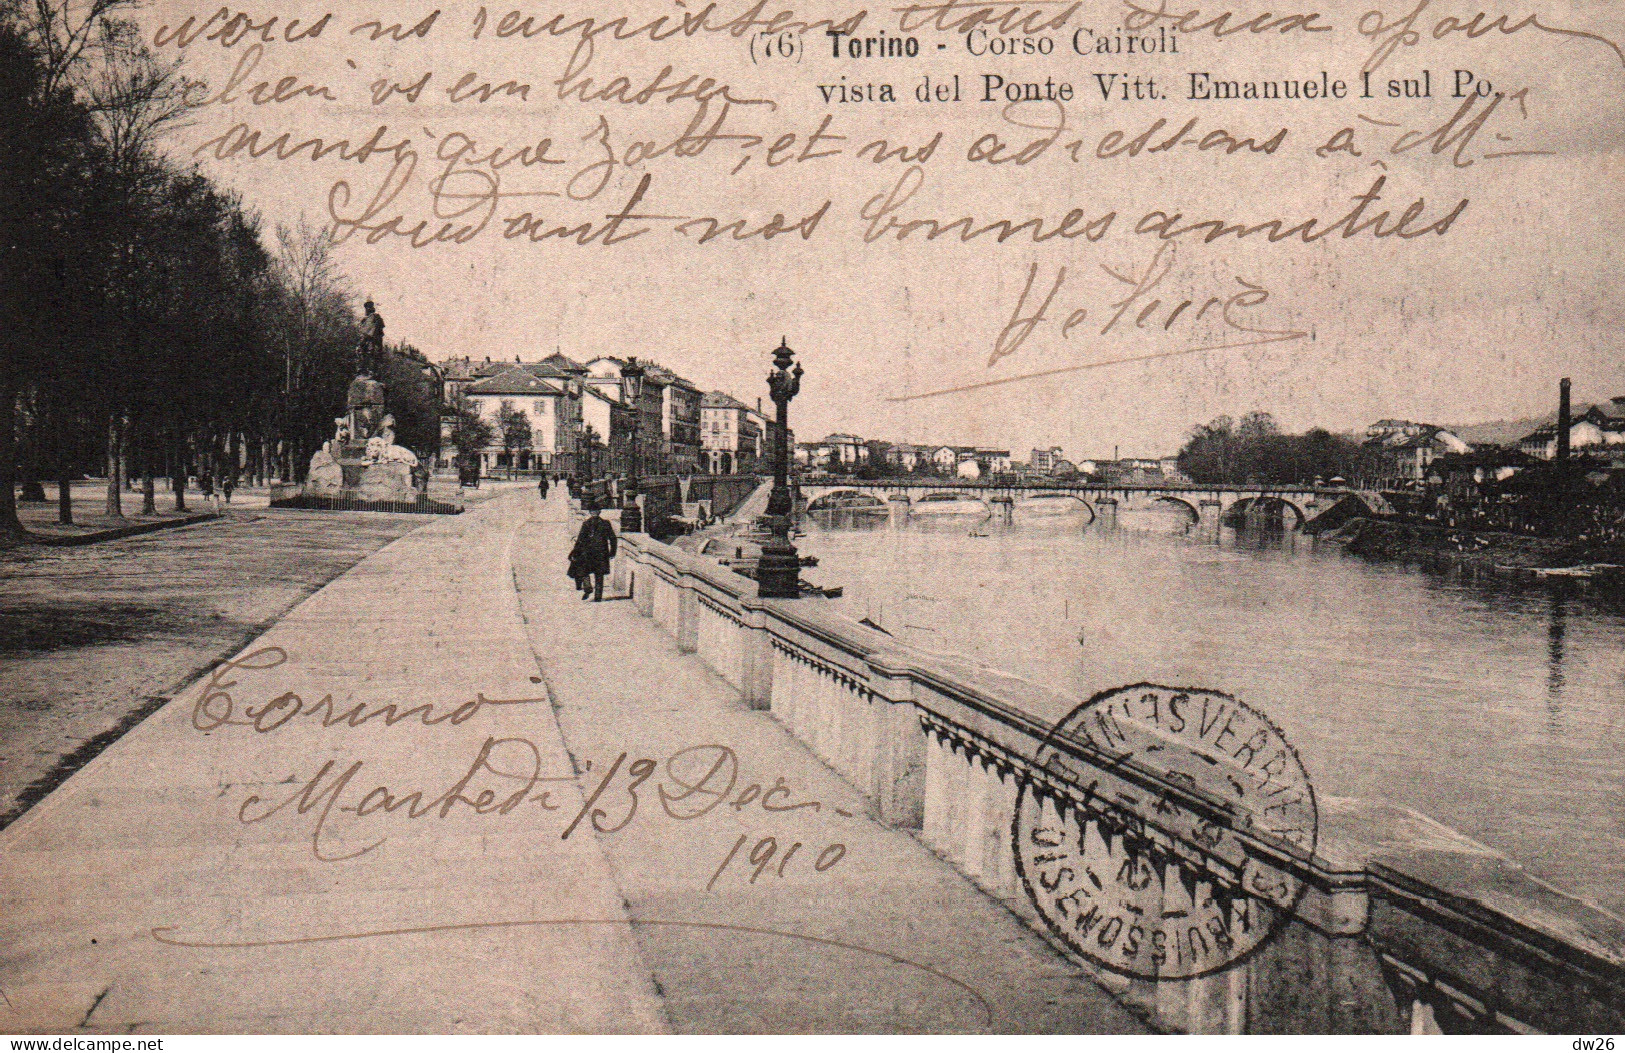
{"points": [[778, 572], [437, 376], [632, 373], [584, 473]]}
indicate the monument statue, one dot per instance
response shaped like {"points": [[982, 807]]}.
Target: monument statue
{"points": [[371, 348], [362, 461], [381, 447]]}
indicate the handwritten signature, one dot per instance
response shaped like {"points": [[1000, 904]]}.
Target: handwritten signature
{"points": [[1144, 309]]}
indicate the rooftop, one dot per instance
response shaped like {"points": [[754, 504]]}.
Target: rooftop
{"points": [[515, 380]]}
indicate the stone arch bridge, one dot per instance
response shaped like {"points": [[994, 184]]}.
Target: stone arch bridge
{"points": [[1204, 504]]}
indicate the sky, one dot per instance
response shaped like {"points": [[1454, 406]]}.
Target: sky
{"points": [[1474, 325]]}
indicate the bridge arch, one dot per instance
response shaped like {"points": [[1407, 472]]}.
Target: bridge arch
{"points": [[1195, 513], [1065, 494], [820, 501], [1265, 501], [944, 495]]}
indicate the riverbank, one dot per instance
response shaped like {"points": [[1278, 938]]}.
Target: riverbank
{"points": [[1483, 553]]}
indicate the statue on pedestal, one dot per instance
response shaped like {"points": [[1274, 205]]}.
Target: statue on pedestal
{"points": [[371, 349], [362, 460]]}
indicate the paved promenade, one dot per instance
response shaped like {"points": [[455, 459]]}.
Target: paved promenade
{"points": [[409, 806]]}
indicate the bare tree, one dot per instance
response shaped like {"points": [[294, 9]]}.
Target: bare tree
{"points": [[69, 38], [135, 98], [317, 299], [135, 101]]}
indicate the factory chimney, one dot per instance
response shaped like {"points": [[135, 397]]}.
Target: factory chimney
{"points": [[1565, 420]]}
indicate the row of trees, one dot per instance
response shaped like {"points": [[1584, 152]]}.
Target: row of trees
{"points": [[147, 328], [1254, 450]]}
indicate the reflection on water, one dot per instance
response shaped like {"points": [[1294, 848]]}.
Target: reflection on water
{"points": [[1554, 650], [1497, 710]]}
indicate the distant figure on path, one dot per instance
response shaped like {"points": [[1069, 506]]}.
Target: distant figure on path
{"points": [[589, 560], [541, 487]]}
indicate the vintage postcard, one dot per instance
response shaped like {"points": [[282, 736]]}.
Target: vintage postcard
{"points": [[805, 516]]}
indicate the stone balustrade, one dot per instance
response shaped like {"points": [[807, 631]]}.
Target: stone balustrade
{"points": [[1402, 924]]}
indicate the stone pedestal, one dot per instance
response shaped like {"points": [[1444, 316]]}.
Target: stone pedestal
{"points": [[347, 473]]}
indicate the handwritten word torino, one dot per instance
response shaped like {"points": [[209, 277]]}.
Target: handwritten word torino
{"points": [[215, 708]]}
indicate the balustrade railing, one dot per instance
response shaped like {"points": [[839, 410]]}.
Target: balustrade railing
{"points": [[1398, 924]]}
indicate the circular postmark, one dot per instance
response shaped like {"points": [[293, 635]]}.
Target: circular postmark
{"points": [[1158, 835]]}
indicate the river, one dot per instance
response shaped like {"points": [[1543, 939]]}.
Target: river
{"points": [[1497, 710]]}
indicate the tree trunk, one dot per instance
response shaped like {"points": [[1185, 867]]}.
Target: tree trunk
{"points": [[115, 470], [180, 469], [149, 458], [11, 529], [28, 464], [61, 460]]}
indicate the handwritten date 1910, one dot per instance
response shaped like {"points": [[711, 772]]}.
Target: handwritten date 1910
{"points": [[763, 852]]}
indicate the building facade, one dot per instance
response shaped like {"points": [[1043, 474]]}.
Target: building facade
{"points": [[1397, 453], [993, 461], [1044, 461], [730, 435], [679, 423], [551, 407], [606, 439], [1594, 431]]}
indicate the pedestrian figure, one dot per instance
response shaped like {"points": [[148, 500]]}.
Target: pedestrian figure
{"points": [[541, 487], [227, 485], [595, 546]]}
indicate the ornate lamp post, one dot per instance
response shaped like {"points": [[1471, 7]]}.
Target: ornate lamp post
{"points": [[584, 472], [437, 375], [779, 571], [632, 383]]}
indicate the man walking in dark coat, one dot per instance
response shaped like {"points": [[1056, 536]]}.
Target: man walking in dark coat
{"points": [[589, 560]]}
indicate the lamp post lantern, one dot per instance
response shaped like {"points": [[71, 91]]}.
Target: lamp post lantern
{"points": [[632, 383], [778, 572], [584, 472]]}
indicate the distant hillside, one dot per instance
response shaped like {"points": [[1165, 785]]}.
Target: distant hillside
{"points": [[1508, 432], [1500, 432]]}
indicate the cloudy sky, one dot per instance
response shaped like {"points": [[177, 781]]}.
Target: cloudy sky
{"points": [[1474, 325]]}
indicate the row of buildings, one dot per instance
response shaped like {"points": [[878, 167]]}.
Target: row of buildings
{"points": [[844, 454], [1599, 431], [579, 418], [1400, 454]]}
